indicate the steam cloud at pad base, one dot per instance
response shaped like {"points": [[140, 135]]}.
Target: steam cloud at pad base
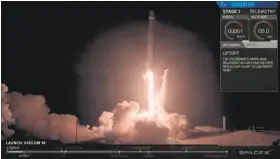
{"points": [[127, 121], [153, 125]]}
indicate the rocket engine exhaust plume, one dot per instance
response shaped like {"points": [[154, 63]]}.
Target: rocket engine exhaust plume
{"points": [[111, 68], [191, 82]]}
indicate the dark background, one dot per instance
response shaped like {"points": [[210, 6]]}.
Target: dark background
{"points": [[43, 41]]}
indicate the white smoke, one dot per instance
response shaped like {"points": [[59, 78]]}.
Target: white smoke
{"points": [[142, 130], [6, 116], [32, 115]]}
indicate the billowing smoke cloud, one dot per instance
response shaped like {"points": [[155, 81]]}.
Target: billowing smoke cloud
{"points": [[129, 129], [32, 115], [6, 116]]}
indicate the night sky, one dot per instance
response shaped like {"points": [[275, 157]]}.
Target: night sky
{"points": [[43, 42]]}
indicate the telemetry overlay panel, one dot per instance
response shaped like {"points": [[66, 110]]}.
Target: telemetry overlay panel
{"points": [[249, 47]]}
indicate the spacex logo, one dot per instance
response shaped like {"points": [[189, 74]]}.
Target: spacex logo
{"points": [[253, 153]]}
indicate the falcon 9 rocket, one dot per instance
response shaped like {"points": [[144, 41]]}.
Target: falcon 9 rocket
{"points": [[150, 44]]}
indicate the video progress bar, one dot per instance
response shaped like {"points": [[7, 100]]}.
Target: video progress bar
{"points": [[112, 152]]}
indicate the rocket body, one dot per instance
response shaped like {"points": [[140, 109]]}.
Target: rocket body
{"points": [[150, 45]]}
